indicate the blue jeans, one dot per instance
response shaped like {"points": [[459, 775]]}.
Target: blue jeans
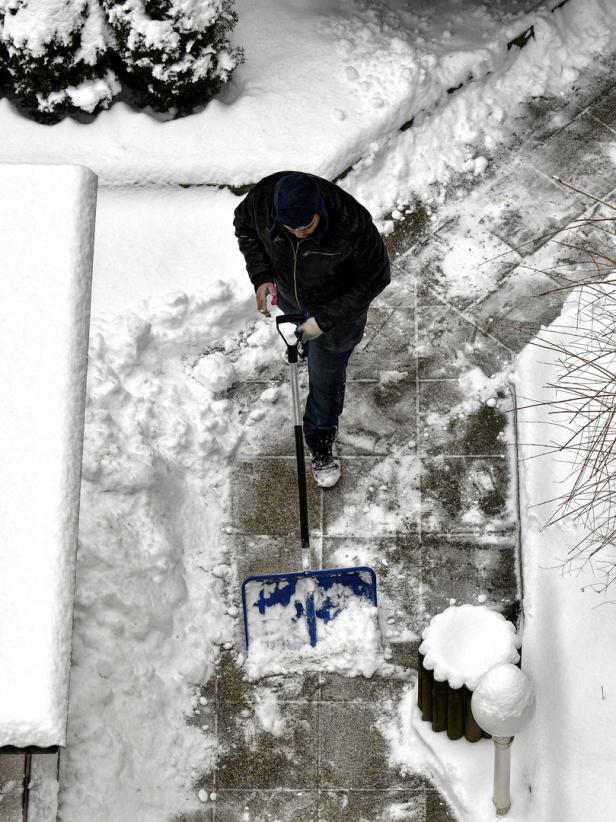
{"points": [[328, 356]]}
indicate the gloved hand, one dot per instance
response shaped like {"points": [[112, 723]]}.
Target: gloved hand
{"points": [[308, 331], [262, 292]]}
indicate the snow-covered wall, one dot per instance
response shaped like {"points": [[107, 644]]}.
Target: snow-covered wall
{"points": [[47, 218], [567, 753]]}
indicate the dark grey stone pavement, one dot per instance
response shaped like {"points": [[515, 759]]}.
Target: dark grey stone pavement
{"points": [[428, 487]]}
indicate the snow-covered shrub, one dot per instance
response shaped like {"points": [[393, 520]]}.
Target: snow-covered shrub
{"points": [[173, 55], [56, 56]]}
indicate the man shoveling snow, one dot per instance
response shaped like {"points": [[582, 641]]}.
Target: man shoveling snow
{"points": [[315, 250]]}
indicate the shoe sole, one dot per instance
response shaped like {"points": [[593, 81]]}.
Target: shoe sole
{"points": [[324, 481]]}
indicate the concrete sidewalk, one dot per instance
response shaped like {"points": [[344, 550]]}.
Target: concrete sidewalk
{"points": [[444, 481]]}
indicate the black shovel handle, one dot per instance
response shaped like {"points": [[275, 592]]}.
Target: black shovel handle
{"points": [[296, 319], [292, 354]]}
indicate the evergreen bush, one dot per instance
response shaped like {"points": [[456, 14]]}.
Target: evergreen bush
{"points": [[173, 55], [56, 57]]}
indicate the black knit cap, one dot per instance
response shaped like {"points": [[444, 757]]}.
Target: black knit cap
{"points": [[297, 198]]}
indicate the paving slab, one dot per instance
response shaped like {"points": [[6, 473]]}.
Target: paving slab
{"points": [[338, 689], [279, 805], [254, 758], [11, 787], [450, 342], [373, 497], [466, 495], [274, 439], [543, 116], [408, 231], [400, 293], [353, 753], [523, 207], [450, 424], [233, 691], [367, 428], [458, 262], [532, 296], [406, 805], [264, 498], [391, 342], [252, 555], [580, 155], [604, 109], [437, 809], [467, 571]]}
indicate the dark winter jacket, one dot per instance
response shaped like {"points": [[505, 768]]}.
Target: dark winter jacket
{"points": [[332, 275]]}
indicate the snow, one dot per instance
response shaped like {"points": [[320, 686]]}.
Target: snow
{"points": [[37, 24], [503, 701], [47, 215], [152, 242], [172, 303], [348, 644], [357, 72], [267, 712], [151, 612], [464, 641], [481, 116], [569, 631], [463, 771]]}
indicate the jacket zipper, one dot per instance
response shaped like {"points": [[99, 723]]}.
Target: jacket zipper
{"points": [[295, 250]]}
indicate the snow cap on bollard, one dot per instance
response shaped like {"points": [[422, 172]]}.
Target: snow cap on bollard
{"points": [[503, 701]]}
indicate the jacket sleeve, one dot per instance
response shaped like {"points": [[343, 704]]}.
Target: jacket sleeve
{"points": [[258, 263], [370, 269]]}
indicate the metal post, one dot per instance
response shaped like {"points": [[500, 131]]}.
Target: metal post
{"points": [[502, 770]]}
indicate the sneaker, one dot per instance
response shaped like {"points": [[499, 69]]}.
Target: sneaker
{"points": [[325, 464]]}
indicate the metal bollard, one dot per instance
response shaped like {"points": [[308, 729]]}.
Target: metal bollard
{"points": [[502, 771]]}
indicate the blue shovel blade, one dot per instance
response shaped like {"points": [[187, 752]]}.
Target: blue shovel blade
{"points": [[293, 607]]}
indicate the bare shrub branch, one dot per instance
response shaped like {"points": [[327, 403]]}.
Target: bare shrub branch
{"points": [[584, 397]]}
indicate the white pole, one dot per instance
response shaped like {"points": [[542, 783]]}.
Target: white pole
{"points": [[502, 770]]}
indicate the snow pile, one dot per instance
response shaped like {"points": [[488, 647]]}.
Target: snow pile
{"points": [[568, 751], [372, 68], [462, 770], [349, 644], [464, 641], [482, 115], [151, 613], [503, 701], [47, 217]]}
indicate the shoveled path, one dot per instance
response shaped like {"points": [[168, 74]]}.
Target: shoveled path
{"points": [[428, 486]]}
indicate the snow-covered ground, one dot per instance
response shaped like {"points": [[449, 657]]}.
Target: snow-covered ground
{"points": [[174, 326], [569, 630], [321, 81]]}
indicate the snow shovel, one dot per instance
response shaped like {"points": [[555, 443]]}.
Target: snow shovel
{"points": [[295, 607]]}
